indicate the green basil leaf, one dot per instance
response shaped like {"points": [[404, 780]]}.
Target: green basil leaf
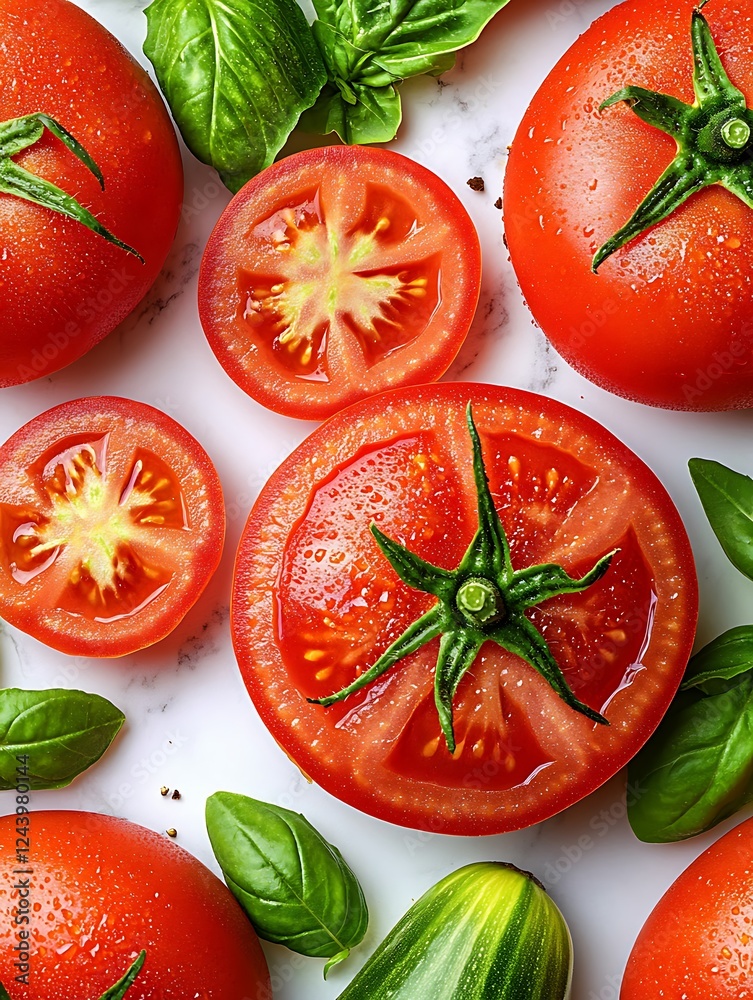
{"points": [[295, 887], [60, 733], [236, 74], [374, 117], [724, 659], [727, 498], [697, 768], [389, 42]]}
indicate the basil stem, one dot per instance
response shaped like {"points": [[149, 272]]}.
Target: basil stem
{"points": [[296, 889], [60, 733], [20, 133]]}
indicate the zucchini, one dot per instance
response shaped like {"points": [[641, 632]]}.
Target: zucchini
{"points": [[485, 932]]}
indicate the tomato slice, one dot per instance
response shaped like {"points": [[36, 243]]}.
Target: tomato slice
{"points": [[337, 273], [111, 524], [315, 603]]}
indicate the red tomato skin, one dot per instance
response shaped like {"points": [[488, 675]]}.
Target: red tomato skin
{"points": [[697, 943], [23, 607], [668, 320], [360, 772], [63, 287], [424, 359], [101, 890]]}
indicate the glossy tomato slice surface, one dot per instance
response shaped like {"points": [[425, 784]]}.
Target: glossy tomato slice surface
{"points": [[315, 603], [335, 274], [667, 319], [111, 524], [696, 944], [102, 890], [63, 287]]}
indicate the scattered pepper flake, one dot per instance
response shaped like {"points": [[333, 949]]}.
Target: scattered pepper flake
{"points": [[172, 832], [176, 794], [164, 790], [476, 183], [498, 203]]}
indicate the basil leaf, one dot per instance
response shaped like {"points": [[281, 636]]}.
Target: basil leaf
{"points": [[728, 656], [60, 732], [295, 887], [379, 44], [727, 499], [236, 74], [697, 768], [374, 117]]}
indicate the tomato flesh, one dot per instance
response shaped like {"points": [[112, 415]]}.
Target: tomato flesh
{"points": [[568, 493], [335, 273], [95, 550]]}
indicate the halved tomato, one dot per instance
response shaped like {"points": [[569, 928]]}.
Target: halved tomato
{"points": [[316, 604], [111, 524], [335, 274]]}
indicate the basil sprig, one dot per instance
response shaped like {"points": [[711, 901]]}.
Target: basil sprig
{"points": [[697, 768], [236, 74], [296, 889], [20, 133], [60, 733], [369, 48]]}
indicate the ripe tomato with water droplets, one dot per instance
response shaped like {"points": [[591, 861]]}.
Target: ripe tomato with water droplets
{"points": [[668, 318], [62, 287], [111, 524], [698, 941], [315, 603], [102, 890], [335, 274]]}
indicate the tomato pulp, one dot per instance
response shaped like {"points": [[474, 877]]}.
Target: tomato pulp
{"points": [[101, 890], [337, 273], [62, 287], [667, 320], [696, 944], [315, 603], [111, 524]]}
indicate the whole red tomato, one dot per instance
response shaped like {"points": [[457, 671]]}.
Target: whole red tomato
{"points": [[63, 287], [83, 895], [317, 605], [668, 319], [697, 944]]}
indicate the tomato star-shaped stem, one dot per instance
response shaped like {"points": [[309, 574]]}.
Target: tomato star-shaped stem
{"points": [[483, 600], [20, 133], [714, 139], [115, 992]]}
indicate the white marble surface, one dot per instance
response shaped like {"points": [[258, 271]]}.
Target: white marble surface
{"points": [[190, 722]]}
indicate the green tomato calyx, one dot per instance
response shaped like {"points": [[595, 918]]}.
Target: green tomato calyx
{"points": [[20, 133], [713, 138], [483, 600]]}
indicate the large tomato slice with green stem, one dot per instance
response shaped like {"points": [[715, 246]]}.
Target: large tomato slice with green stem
{"points": [[629, 204], [111, 524], [335, 274], [487, 655]]}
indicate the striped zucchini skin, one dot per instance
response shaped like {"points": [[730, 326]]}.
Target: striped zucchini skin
{"points": [[485, 932]]}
